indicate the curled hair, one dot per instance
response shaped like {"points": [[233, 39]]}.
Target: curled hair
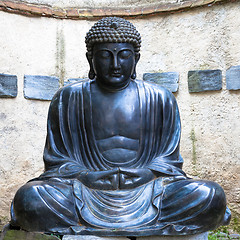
{"points": [[113, 30]]}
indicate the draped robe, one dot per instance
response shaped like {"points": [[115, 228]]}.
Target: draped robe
{"points": [[71, 146], [156, 206]]}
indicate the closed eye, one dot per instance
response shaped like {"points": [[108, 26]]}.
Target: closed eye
{"points": [[104, 54], [125, 54]]}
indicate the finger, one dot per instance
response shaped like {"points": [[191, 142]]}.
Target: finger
{"points": [[106, 173], [127, 170], [121, 180], [115, 181], [113, 171]]}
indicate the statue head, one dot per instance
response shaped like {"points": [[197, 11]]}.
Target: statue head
{"points": [[113, 46]]}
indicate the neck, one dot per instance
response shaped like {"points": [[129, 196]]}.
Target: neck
{"points": [[110, 88]]}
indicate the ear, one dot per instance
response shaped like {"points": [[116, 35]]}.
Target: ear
{"points": [[137, 57], [89, 57], [91, 73]]}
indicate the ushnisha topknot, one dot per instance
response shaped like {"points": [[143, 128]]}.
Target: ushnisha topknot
{"points": [[113, 30]]}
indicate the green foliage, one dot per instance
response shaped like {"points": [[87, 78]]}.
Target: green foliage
{"points": [[219, 235], [224, 232], [3, 221], [194, 152], [23, 235], [236, 223], [58, 236], [212, 237]]}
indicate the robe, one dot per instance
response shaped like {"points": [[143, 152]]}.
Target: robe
{"points": [[170, 204]]}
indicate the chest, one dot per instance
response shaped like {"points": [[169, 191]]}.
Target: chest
{"points": [[116, 114]]}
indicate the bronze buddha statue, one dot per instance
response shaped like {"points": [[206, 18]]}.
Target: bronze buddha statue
{"points": [[112, 161]]}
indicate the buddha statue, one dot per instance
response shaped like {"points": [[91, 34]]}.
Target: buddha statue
{"points": [[112, 161]]}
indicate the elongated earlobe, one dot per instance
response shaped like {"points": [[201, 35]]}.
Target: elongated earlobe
{"points": [[91, 73], [137, 57], [133, 74]]}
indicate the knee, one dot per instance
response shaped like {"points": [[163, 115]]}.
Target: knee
{"points": [[215, 210], [211, 190], [203, 203], [30, 209], [27, 202], [218, 198], [27, 197], [43, 206]]}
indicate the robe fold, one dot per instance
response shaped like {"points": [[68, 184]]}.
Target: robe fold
{"points": [[71, 148], [155, 206]]}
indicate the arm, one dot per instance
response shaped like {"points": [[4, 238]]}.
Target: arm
{"points": [[161, 139], [166, 129], [60, 156]]}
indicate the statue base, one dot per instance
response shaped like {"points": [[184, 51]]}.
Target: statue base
{"points": [[202, 236]]}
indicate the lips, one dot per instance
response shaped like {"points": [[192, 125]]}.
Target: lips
{"points": [[116, 74]]}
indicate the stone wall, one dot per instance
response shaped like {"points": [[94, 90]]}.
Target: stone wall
{"points": [[204, 38]]}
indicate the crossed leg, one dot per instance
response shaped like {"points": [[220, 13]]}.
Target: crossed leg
{"points": [[44, 206], [201, 204]]}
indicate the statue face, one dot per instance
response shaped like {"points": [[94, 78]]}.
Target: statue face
{"points": [[113, 64]]}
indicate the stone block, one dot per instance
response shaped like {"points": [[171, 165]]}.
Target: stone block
{"points": [[40, 87], [204, 80], [8, 86], [22, 235], [234, 236], [233, 78], [90, 237], [202, 236], [168, 80], [73, 80]]}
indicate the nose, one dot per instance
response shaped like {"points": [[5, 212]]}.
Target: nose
{"points": [[115, 64]]}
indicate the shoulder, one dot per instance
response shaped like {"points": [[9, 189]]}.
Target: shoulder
{"points": [[155, 88], [75, 87], [69, 89]]}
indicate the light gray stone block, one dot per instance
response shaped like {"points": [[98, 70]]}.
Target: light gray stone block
{"points": [[8, 86], [204, 80], [90, 237], [202, 236], [233, 78], [40, 87], [168, 80], [234, 236]]}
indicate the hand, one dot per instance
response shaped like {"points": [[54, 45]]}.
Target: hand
{"points": [[104, 180], [134, 177]]}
